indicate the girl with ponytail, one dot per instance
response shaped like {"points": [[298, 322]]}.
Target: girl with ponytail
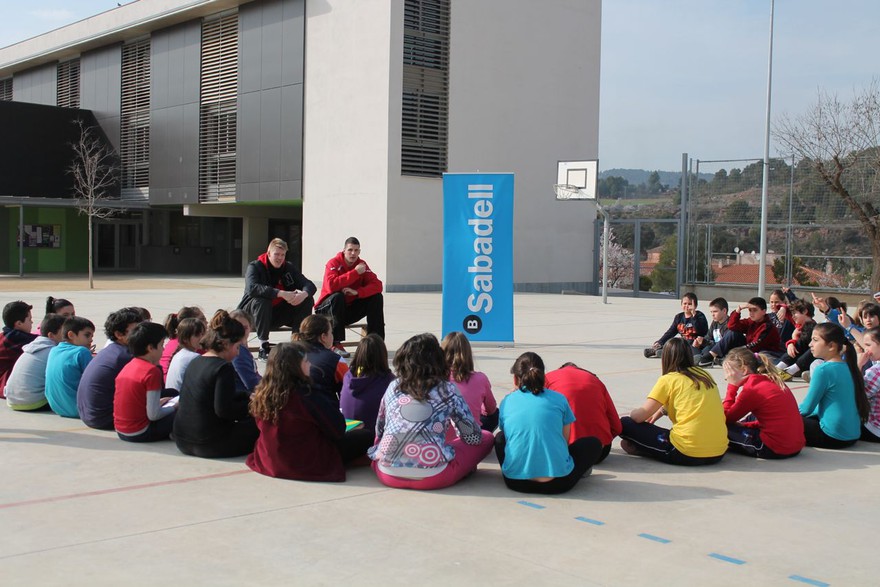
{"points": [[689, 396], [774, 430], [836, 405], [532, 446], [213, 419]]}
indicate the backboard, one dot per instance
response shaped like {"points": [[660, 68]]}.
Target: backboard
{"points": [[581, 174]]}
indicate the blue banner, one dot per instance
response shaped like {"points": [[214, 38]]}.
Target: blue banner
{"points": [[478, 255]]}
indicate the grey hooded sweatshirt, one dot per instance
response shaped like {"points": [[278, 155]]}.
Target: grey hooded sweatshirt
{"points": [[26, 386]]}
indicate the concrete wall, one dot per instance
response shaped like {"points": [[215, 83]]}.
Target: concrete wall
{"points": [[174, 114], [270, 100], [37, 86], [346, 137]]}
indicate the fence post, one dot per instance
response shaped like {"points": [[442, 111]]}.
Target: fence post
{"points": [[682, 226]]}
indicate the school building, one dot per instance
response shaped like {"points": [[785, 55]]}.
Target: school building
{"points": [[233, 121]]}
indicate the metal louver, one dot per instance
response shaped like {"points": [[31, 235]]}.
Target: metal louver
{"points": [[134, 131], [218, 108], [68, 84]]}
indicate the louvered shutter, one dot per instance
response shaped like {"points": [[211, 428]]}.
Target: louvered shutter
{"points": [[6, 90], [68, 84], [134, 132], [425, 107], [218, 109]]}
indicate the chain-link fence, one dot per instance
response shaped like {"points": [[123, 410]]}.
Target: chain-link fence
{"points": [[813, 238]]}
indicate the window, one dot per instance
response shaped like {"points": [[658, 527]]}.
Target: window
{"points": [[6, 90], [134, 132], [425, 101], [68, 84], [218, 108]]}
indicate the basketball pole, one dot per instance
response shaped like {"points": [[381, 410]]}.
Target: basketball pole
{"points": [[606, 230]]}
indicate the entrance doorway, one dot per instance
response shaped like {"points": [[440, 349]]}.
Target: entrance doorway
{"points": [[116, 246]]}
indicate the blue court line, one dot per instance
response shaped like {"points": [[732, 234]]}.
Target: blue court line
{"points": [[727, 559], [531, 505], [655, 538], [808, 581], [590, 521]]}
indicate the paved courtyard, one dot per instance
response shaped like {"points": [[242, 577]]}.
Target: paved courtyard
{"points": [[80, 507]]}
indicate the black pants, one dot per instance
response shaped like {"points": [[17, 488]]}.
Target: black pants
{"points": [[868, 435], [584, 452], [489, 422], [803, 361], [653, 441], [268, 317], [159, 430], [343, 314], [354, 444], [747, 441], [816, 437], [238, 442]]}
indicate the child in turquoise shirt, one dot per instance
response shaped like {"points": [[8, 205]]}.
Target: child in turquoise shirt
{"points": [[66, 364]]}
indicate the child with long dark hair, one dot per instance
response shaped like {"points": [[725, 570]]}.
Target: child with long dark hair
{"points": [[688, 395], [302, 434], [774, 429], [364, 384], [836, 405], [328, 369], [60, 306], [411, 451], [871, 344], [532, 446], [172, 321], [212, 417], [473, 385], [189, 335], [246, 375]]}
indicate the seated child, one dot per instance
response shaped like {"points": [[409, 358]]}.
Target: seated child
{"points": [[761, 412], [756, 332], [60, 306], [94, 395], [172, 321], [26, 386], [473, 385], [364, 384], [780, 313], [189, 334], [689, 396], [533, 446], [328, 368], [17, 325], [690, 324], [140, 413], [797, 357], [66, 364], [871, 344], [718, 309], [594, 411], [411, 450], [246, 375], [302, 433], [836, 405]]}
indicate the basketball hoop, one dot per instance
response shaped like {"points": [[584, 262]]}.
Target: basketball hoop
{"points": [[566, 191]]}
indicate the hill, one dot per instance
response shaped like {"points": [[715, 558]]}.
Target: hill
{"points": [[640, 176]]}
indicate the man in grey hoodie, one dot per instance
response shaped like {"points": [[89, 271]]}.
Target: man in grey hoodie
{"points": [[26, 386]]}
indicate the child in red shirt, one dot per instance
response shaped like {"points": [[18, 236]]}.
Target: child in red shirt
{"points": [[140, 413]]}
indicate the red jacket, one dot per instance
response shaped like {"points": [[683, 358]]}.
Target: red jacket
{"points": [[590, 402], [760, 336], [776, 410], [338, 275]]}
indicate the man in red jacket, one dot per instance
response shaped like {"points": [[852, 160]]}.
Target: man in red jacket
{"points": [[351, 291]]}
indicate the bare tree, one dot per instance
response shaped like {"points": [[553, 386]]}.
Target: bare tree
{"points": [[841, 141], [95, 176]]}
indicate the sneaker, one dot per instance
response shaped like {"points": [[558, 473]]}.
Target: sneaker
{"points": [[263, 355], [706, 361], [587, 473], [786, 376], [340, 350], [805, 375], [649, 353]]}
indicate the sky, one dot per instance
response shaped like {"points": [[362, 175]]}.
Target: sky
{"points": [[676, 75]]}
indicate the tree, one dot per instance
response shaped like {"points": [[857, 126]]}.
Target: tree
{"points": [[841, 142], [654, 186], [95, 178], [663, 275], [620, 263]]}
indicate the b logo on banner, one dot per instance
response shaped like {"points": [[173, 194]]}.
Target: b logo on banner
{"points": [[472, 324]]}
